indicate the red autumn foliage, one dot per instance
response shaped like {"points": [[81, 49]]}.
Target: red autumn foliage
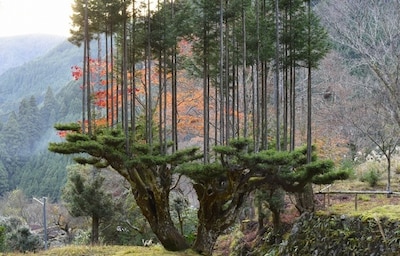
{"points": [[76, 72], [62, 134]]}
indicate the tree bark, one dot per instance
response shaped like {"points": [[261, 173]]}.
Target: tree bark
{"points": [[95, 230], [305, 200], [206, 238], [154, 205], [218, 211]]}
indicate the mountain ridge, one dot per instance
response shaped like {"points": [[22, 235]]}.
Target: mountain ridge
{"points": [[17, 50], [51, 69]]}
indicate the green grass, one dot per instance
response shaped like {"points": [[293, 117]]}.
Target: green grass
{"points": [[385, 211], [372, 205], [156, 250]]}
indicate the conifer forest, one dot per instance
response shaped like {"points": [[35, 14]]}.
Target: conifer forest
{"points": [[208, 113]]}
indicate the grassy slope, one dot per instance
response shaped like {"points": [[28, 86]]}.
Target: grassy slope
{"points": [[367, 204], [108, 251]]}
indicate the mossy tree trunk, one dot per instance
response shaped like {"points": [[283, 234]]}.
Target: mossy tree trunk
{"points": [[153, 201], [148, 172], [305, 199], [219, 209]]}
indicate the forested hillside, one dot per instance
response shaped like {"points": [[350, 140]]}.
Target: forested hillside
{"points": [[52, 69], [25, 160], [17, 50], [36, 94]]}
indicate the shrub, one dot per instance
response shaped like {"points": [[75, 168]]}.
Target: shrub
{"points": [[23, 241], [16, 236], [371, 177], [2, 239], [397, 169]]}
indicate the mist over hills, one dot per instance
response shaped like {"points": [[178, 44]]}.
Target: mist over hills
{"points": [[37, 90], [46, 63], [17, 50]]}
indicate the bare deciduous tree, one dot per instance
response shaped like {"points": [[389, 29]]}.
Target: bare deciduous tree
{"points": [[367, 32]]}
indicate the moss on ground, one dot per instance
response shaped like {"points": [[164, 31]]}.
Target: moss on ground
{"points": [[156, 250]]}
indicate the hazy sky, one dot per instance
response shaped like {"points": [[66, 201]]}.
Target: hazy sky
{"points": [[21, 17]]}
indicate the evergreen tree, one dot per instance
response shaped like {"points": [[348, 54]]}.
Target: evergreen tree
{"points": [[85, 196], [3, 180], [30, 124], [48, 112], [44, 175], [12, 139], [223, 186], [225, 54], [149, 173]]}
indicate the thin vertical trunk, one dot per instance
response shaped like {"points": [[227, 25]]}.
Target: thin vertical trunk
{"points": [[293, 108], [245, 110], [285, 103], [292, 81], [84, 98], [117, 88], [262, 67], [87, 71], [112, 77], [161, 93], [125, 81], [285, 74], [88, 86], [277, 62], [255, 107], [309, 103], [257, 82], [149, 135], [174, 91], [225, 88], [133, 95], [174, 100], [206, 91], [309, 107], [222, 81], [107, 81]]}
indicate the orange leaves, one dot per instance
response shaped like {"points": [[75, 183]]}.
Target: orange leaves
{"points": [[107, 94], [102, 122], [100, 98], [101, 103]]}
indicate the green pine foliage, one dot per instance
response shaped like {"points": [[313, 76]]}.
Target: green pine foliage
{"points": [[2, 238], [285, 169], [44, 175], [84, 193], [3, 180], [202, 173], [85, 196]]}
